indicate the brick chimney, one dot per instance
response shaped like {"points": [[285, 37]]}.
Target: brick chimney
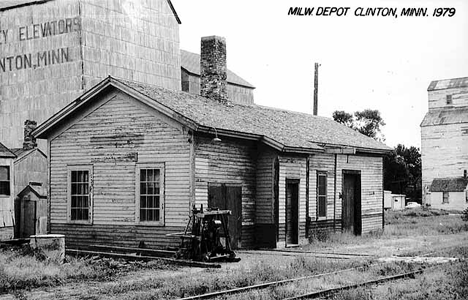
{"points": [[213, 70], [29, 141]]}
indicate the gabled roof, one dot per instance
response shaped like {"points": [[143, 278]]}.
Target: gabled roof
{"points": [[22, 153], [445, 116], [5, 152], [448, 84], [191, 62], [283, 130], [454, 184], [37, 189]]}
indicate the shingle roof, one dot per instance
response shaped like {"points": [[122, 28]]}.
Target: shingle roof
{"points": [[444, 116], [5, 152], [448, 84], [18, 151], [290, 131], [191, 62], [454, 184]]}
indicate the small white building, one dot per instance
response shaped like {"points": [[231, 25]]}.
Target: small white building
{"points": [[450, 193], [394, 201]]}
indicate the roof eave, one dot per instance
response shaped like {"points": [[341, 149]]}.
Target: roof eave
{"points": [[174, 11]]}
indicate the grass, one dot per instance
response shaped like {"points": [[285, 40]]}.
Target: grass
{"points": [[449, 281], [23, 268], [403, 223], [213, 280]]}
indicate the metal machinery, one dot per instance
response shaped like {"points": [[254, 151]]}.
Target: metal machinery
{"points": [[206, 236]]}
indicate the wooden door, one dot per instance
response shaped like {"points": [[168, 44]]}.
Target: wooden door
{"points": [[351, 206], [292, 212], [28, 221], [228, 197]]}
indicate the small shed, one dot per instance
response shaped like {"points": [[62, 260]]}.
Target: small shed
{"points": [[394, 201], [31, 211], [6, 193], [449, 193], [398, 201]]}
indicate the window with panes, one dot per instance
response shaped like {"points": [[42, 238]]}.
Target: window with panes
{"points": [[322, 194], [5, 180], [80, 201], [150, 195]]}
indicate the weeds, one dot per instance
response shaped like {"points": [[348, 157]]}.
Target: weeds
{"points": [[26, 268], [464, 215]]}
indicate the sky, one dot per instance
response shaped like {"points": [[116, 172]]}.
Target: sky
{"points": [[375, 62]]}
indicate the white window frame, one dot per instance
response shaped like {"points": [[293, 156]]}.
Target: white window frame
{"points": [[88, 168], [324, 174], [445, 200], [8, 168], [138, 169]]}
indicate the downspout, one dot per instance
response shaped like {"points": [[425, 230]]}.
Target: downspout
{"points": [[383, 195], [307, 198], [334, 195]]}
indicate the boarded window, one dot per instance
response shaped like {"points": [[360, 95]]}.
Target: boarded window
{"points": [[445, 197], [5, 180], [80, 200], [449, 99], [321, 194], [150, 194]]}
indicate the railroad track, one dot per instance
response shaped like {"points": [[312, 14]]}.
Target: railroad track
{"points": [[330, 255], [313, 294], [317, 294]]}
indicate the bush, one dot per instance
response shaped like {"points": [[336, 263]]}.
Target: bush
{"points": [[464, 215], [319, 234]]}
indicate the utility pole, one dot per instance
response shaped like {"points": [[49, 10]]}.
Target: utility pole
{"points": [[317, 65]]}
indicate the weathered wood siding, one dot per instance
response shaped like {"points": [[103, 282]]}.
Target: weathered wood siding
{"points": [[265, 226], [116, 135], [438, 98], [371, 169], [32, 167], [291, 167], [7, 205], [265, 181], [231, 162], [444, 150], [371, 188]]}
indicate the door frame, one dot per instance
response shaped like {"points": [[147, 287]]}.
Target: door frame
{"points": [[236, 237], [295, 238], [357, 205]]}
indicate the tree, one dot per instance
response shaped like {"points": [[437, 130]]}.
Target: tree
{"points": [[343, 117], [402, 173], [368, 122]]}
